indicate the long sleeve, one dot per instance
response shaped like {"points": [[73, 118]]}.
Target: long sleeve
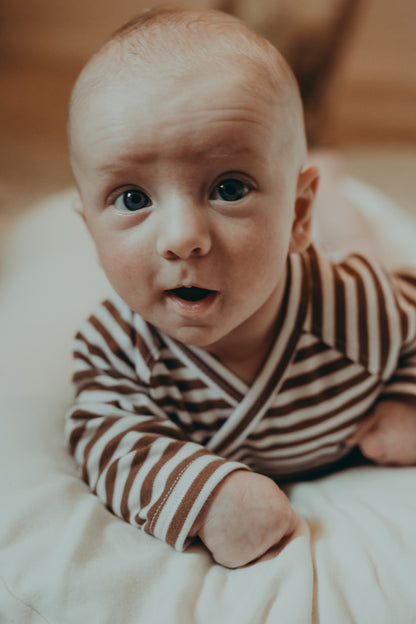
{"points": [[138, 461]]}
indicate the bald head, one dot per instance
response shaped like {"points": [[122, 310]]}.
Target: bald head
{"points": [[172, 43]]}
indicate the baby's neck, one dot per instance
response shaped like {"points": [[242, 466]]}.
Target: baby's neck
{"points": [[245, 350], [247, 367]]}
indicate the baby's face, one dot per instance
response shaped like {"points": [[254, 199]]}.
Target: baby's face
{"points": [[188, 188]]}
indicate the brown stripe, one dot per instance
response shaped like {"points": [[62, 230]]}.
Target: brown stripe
{"points": [[316, 286], [404, 376], [110, 448], [297, 453], [146, 490], [127, 328], [157, 337], [91, 373], [304, 439], [319, 397], [399, 396], [147, 487], [137, 463], [142, 448], [92, 349], [362, 313], [110, 479], [407, 277], [209, 427], [161, 380], [404, 319], [302, 469], [384, 339], [81, 357], [88, 414], [190, 406], [173, 363], [175, 474], [410, 302], [121, 389], [317, 373], [74, 438], [83, 414], [188, 501], [158, 428], [190, 385], [110, 341], [210, 373], [210, 405], [404, 324], [307, 352], [195, 427], [340, 311], [143, 409], [102, 428], [284, 360]]}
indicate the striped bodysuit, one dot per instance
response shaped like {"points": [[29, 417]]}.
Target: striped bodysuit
{"points": [[156, 425]]}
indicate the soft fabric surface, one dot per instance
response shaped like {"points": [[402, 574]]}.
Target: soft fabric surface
{"points": [[65, 559]]}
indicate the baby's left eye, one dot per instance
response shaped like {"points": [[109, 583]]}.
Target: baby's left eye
{"points": [[230, 190]]}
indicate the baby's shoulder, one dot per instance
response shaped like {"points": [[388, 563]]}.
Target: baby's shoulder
{"points": [[352, 306], [354, 282], [113, 324]]}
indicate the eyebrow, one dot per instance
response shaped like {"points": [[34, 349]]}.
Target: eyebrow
{"points": [[225, 145], [215, 152]]}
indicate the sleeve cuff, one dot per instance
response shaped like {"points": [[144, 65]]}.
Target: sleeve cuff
{"points": [[174, 519]]}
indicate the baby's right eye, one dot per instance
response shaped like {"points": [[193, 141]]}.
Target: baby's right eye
{"points": [[132, 200]]}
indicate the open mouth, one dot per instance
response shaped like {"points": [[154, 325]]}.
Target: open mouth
{"points": [[192, 294]]}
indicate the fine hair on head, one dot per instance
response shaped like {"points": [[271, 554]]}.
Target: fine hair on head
{"points": [[179, 38]]}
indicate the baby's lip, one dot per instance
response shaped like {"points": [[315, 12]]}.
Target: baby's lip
{"points": [[191, 293], [192, 302]]}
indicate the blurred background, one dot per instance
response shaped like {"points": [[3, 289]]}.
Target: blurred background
{"points": [[355, 61]]}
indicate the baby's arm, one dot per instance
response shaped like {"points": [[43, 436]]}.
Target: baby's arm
{"points": [[388, 436], [145, 469], [133, 456], [246, 515]]}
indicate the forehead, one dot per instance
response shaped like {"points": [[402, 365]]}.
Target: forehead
{"points": [[156, 104]]}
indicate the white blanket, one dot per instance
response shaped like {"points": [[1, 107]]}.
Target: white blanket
{"points": [[65, 559]]}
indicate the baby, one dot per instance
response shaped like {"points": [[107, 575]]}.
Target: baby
{"points": [[232, 354]]}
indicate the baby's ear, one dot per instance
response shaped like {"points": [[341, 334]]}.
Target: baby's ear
{"points": [[305, 195], [78, 207]]}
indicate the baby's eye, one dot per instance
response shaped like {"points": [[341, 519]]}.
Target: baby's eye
{"points": [[230, 190], [132, 200]]}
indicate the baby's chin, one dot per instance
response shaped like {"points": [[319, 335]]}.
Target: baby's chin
{"points": [[192, 333], [201, 337]]}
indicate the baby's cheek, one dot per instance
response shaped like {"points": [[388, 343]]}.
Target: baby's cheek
{"points": [[118, 270], [120, 260]]}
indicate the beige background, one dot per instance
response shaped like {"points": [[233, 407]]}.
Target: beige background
{"points": [[43, 44]]}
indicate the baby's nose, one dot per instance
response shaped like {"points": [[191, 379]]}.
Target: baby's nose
{"points": [[183, 233]]}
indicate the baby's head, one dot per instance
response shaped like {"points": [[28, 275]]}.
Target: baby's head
{"points": [[188, 148], [169, 48]]}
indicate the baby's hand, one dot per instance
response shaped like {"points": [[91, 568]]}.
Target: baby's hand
{"points": [[389, 435], [247, 515]]}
